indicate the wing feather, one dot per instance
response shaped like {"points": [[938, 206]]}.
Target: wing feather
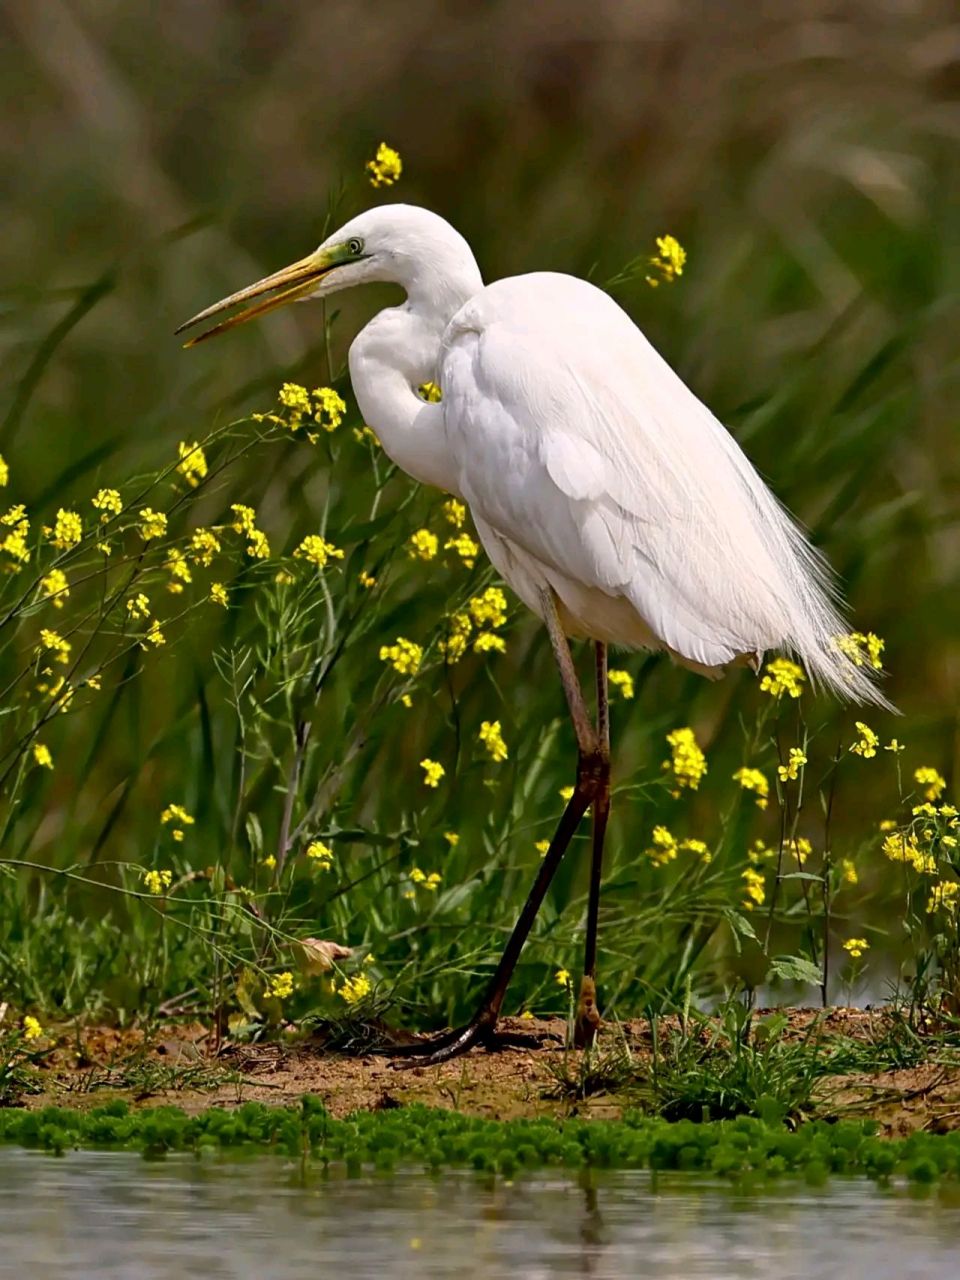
{"points": [[578, 442]]}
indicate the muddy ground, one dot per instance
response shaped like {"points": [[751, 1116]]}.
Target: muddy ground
{"points": [[179, 1065]]}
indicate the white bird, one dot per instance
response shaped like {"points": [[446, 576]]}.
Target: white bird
{"points": [[606, 494]]}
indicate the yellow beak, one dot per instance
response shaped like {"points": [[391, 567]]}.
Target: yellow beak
{"points": [[286, 285]]}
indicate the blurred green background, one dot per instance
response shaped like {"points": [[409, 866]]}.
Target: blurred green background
{"points": [[157, 157]]}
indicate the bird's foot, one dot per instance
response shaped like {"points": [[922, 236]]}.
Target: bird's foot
{"points": [[587, 1021], [432, 1051]]}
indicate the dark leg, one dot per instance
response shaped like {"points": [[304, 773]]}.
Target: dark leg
{"points": [[587, 1022], [591, 771]]}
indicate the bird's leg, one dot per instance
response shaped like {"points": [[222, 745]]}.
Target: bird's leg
{"points": [[587, 1021], [592, 775]]}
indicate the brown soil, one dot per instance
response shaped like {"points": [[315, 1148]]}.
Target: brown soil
{"points": [[178, 1067]]}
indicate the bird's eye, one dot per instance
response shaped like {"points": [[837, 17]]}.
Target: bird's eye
{"points": [[355, 247]]}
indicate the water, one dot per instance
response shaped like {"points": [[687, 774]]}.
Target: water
{"points": [[115, 1216]]}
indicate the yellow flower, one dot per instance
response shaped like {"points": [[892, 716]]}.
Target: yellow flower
{"points": [[279, 986], [269, 862], [668, 262], [756, 893], [895, 746], [687, 763], [320, 853], [430, 392], [932, 782], [465, 547], [153, 635], [433, 771], [138, 606], [193, 463], [153, 524], [158, 881], [94, 682], [55, 587], [790, 771], [856, 947], [362, 434], [295, 398], [452, 838], [664, 847], [406, 700], [15, 542], [902, 846], [32, 1029], [492, 739], [566, 794], [367, 580], [455, 512], [176, 565], [175, 813], [861, 648], [542, 847], [404, 656], [562, 978], [801, 848], [218, 594], [699, 847], [107, 502], [53, 642], [866, 744], [42, 756], [760, 852], [317, 550], [417, 876], [848, 872], [258, 548], [67, 530], [781, 676], [385, 168], [454, 644], [4, 472], [204, 545], [433, 882], [755, 781], [487, 642], [424, 544], [944, 897], [329, 408], [623, 681], [355, 989], [489, 609]]}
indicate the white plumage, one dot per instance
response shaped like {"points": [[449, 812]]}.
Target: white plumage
{"points": [[589, 467]]}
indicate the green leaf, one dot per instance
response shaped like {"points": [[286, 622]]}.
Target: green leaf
{"points": [[795, 969]]}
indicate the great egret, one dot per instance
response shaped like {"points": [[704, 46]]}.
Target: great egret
{"points": [[610, 499]]}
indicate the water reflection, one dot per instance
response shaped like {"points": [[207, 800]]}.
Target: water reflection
{"points": [[117, 1216]]}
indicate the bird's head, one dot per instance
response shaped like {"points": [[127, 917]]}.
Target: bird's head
{"points": [[398, 243]]}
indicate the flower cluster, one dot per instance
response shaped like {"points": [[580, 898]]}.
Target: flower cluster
{"points": [[158, 882], [355, 989], [862, 648], [385, 168], [754, 780], [667, 264], [665, 847], [867, 743], [433, 772], [321, 854], [790, 771], [492, 739], [687, 762], [623, 681], [404, 656], [781, 676], [244, 522], [279, 986], [193, 463], [317, 551], [176, 814]]}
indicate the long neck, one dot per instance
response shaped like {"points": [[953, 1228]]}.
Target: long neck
{"points": [[394, 355]]}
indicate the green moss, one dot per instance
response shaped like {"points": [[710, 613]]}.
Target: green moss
{"points": [[744, 1148]]}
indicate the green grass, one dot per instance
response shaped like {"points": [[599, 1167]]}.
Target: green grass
{"points": [[435, 1140]]}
